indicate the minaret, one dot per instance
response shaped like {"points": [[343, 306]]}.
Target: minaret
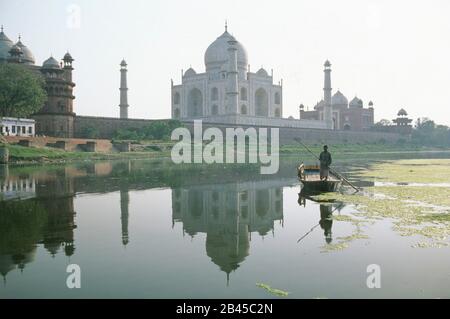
{"points": [[68, 69], [123, 91], [68, 60], [232, 74], [327, 112]]}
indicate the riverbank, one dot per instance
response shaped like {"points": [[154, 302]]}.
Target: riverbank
{"points": [[152, 149], [29, 155]]}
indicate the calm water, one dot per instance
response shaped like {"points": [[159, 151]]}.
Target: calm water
{"points": [[147, 230]]}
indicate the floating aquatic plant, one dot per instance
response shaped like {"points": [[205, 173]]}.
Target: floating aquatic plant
{"points": [[415, 211], [273, 291]]}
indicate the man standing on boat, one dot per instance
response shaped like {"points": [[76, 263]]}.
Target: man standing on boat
{"points": [[325, 162]]}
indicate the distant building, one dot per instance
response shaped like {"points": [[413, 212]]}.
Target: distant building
{"points": [[12, 126], [402, 122], [345, 116], [401, 125], [56, 118]]}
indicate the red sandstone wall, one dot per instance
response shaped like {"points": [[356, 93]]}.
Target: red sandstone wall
{"points": [[71, 143], [288, 135], [106, 126]]}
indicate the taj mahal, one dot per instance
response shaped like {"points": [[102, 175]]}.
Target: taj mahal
{"points": [[227, 86], [229, 93]]}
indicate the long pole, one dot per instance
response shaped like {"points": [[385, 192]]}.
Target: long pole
{"points": [[301, 238], [331, 170]]}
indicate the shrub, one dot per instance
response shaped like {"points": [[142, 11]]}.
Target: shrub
{"points": [[157, 130]]}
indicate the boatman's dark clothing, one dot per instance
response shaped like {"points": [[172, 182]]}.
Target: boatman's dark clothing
{"points": [[325, 162]]}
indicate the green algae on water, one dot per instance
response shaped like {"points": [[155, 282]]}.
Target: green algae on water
{"points": [[411, 171], [273, 291], [422, 211]]}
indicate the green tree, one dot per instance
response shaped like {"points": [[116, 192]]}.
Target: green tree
{"points": [[21, 91], [382, 126], [426, 132], [157, 130], [90, 132]]}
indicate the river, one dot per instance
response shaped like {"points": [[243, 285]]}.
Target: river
{"points": [[149, 229]]}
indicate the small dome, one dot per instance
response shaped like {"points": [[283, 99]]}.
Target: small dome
{"points": [[217, 53], [262, 72], [356, 102], [320, 104], [370, 104], [51, 63], [5, 45], [339, 99], [123, 63], [27, 56], [190, 72], [327, 64], [67, 57], [402, 112], [302, 106]]}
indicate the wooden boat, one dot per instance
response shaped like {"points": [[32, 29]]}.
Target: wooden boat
{"points": [[309, 176]]}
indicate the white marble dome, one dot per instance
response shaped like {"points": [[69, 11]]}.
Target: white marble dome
{"points": [[339, 99], [217, 53], [5, 45]]}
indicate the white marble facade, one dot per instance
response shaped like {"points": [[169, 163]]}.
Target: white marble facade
{"points": [[204, 95]]}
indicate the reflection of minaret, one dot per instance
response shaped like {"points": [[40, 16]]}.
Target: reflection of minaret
{"points": [[123, 90], [124, 204]]}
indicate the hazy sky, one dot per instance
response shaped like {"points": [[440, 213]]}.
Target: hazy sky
{"points": [[395, 53]]}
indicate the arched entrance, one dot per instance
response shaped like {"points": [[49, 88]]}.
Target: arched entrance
{"points": [[215, 110], [195, 103], [261, 103]]}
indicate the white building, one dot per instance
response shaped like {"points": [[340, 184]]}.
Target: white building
{"points": [[229, 93], [11, 126]]}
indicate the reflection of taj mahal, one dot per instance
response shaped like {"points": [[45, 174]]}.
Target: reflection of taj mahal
{"points": [[228, 214]]}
